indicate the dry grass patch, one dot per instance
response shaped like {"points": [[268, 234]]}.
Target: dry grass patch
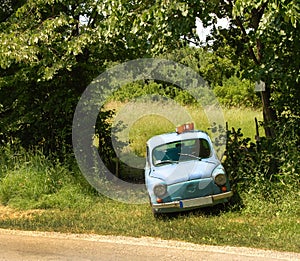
{"points": [[8, 213]]}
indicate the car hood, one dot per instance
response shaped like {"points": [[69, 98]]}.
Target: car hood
{"points": [[183, 171]]}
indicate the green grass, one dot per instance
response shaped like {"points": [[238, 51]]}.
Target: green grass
{"points": [[155, 120], [209, 226], [39, 194], [32, 200]]}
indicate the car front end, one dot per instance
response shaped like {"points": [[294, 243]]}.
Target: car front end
{"points": [[183, 172]]}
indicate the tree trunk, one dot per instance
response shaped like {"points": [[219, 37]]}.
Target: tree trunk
{"points": [[268, 113]]}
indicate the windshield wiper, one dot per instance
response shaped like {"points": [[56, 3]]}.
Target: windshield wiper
{"points": [[165, 162], [190, 155]]}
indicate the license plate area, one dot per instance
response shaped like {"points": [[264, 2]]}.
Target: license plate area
{"points": [[194, 202]]}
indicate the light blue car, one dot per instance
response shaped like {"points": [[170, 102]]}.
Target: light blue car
{"points": [[183, 172]]}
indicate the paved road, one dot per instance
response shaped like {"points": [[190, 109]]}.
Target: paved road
{"points": [[27, 245]]}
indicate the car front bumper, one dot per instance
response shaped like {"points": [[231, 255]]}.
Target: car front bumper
{"points": [[194, 202]]}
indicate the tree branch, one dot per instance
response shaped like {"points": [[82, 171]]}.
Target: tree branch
{"points": [[245, 36]]}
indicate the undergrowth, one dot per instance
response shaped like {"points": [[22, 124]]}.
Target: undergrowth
{"points": [[30, 180]]}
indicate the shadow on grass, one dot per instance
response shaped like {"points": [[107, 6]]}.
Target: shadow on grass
{"points": [[201, 212], [235, 204]]}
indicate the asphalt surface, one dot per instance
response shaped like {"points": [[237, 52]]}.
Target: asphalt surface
{"points": [[29, 245]]}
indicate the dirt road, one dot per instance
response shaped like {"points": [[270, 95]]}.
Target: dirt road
{"points": [[27, 245]]}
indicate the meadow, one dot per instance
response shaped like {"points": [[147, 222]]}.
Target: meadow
{"points": [[156, 119]]}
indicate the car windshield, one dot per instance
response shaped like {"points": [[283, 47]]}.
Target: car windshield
{"points": [[184, 150]]}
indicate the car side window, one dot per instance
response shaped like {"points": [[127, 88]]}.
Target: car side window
{"points": [[204, 148]]}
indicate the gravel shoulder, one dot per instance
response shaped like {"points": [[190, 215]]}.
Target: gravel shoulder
{"points": [[32, 245]]}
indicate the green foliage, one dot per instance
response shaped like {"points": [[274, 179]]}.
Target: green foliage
{"points": [[221, 72], [140, 90], [47, 62], [235, 92], [218, 72], [34, 111], [265, 171], [213, 68], [105, 137], [69, 196]]}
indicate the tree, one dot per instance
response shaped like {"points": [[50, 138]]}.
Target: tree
{"points": [[262, 38], [47, 62], [263, 35], [50, 50]]}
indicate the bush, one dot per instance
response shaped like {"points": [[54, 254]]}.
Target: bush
{"points": [[140, 89], [265, 171], [235, 92]]}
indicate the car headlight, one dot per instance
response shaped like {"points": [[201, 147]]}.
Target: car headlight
{"points": [[160, 190], [220, 179]]}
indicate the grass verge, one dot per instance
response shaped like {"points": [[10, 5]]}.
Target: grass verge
{"points": [[206, 226]]}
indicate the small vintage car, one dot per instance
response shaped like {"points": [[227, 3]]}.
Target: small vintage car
{"points": [[183, 172]]}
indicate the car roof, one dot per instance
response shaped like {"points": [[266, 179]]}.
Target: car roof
{"points": [[174, 136]]}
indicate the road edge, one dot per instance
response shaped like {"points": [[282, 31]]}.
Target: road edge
{"points": [[158, 242]]}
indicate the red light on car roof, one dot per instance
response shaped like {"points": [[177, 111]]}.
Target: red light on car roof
{"points": [[185, 127]]}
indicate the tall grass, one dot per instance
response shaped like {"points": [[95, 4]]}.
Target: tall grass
{"points": [[154, 122], [30, 180]]}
